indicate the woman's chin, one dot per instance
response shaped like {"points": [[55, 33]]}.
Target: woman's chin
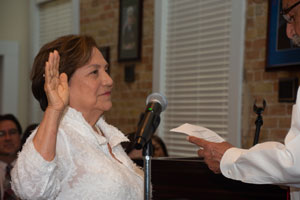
{"points": [[106, 107]]}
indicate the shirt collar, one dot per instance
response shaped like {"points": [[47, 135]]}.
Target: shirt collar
{"points": [[112, 135]]}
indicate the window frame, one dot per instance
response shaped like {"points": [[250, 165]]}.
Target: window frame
{"points": [[236, 63]]}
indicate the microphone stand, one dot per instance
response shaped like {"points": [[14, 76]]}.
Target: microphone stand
{"points": [[259, 120], [145, 142], [147, 155]]}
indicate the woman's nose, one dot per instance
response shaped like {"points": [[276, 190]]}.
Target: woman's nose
{"points": [[107, 80]]}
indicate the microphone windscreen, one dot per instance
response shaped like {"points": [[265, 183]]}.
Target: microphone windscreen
{"points": [[156, 97]]}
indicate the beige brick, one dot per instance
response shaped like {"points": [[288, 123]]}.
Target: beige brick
{"points": [[263, 88], [251, 33], [258, 76], [276, 110], [285, 122]]}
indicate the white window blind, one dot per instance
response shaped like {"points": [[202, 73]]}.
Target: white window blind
{"points": [[56, 19], [197, 69]]}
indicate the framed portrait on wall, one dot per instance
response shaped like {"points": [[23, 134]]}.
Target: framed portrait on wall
{"points": [[282, 53], [130, 30]]}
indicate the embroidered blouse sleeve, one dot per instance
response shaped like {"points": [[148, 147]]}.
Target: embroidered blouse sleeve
{"points": [[33, 177]]}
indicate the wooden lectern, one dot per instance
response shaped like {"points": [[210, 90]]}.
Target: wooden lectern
{"points": [[190, 178]]}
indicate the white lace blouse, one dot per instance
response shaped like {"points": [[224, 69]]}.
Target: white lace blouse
{"points": [[83, 168]]}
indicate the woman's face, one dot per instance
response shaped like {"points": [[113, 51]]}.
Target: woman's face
{"points": [[90, 86]]}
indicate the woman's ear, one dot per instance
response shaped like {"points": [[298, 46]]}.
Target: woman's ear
{"points": [[290, 30]]}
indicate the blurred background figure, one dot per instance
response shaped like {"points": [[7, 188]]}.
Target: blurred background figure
{"points": [[159, 147], [10, 143]]}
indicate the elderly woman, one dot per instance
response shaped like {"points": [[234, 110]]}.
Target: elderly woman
{"points": [[74, 153]]}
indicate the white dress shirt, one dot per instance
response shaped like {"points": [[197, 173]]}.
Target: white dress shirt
{"points": [[83, 168], [269, 162]]}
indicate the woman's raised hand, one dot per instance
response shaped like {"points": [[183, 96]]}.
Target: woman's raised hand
{"points": [[56, 85]]}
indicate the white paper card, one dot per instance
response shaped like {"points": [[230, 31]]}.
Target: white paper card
{"points": [[199, 131]]}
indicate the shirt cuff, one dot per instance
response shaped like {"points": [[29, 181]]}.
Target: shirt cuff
{"points": [[227, 163]]}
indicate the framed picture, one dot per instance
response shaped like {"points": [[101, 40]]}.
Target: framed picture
{"points": [[281, 52], [105, 52], [130, 28]]}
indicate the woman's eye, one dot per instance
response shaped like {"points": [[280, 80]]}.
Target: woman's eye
{"points": [[107, 69], [95, 72]]}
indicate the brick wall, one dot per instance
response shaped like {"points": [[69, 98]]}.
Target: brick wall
{"points": [[259, 84], [100, 19]]}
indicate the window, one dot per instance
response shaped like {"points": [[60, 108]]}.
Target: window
{"points": [[56, 19], [198, 57], [50, 19]]}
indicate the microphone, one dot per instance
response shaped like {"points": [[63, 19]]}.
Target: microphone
{"points": [[150, 119]]}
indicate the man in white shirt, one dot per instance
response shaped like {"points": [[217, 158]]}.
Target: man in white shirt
{"points": [[10, 142], [269, 162]]}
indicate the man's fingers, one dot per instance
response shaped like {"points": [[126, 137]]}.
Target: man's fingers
{"points": [[198, 141], [201, 153], [213, 166]]}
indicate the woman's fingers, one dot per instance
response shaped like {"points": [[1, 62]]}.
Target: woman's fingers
{"points": [[52, 66], [50, 61], [63, 88], [51, 71], [53, 61], [63, 79], [56, 85], [46, 75], [56, 63]]}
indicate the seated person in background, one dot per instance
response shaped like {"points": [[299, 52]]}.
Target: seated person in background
{"points": [[159, 147], [10, 142], [27, 133], [73, 153]]}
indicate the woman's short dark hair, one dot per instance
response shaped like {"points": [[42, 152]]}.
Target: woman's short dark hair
{"points": [[161, 143], [12, 118], [74, 51]]}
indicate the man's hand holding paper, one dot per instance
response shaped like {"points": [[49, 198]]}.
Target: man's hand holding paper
{"points": [[212, 146], [199, 132]]}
